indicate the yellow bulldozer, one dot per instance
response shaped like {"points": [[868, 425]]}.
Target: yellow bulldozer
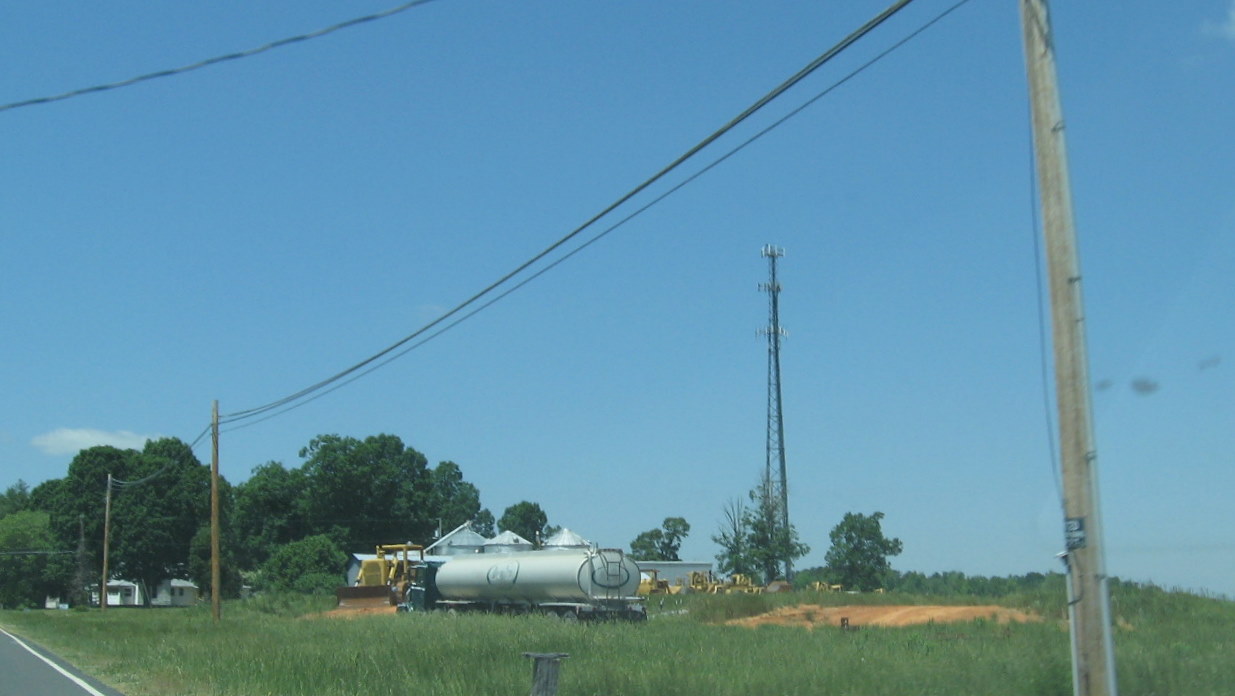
{"points": [[652, 584], [740, 583], [702, 582], [383, 580]]}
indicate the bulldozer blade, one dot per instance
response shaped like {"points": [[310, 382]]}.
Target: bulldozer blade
{"points": [[365, 597]]}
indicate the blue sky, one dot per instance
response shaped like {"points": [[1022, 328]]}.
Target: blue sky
{"points": [[242, 231]]}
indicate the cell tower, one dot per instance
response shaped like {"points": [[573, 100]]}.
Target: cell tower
{"points": [[774, 475]]}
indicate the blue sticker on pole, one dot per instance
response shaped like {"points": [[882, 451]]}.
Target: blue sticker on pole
{"points": [[1074, 533]]}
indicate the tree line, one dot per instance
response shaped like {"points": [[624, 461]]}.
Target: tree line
{"points": [[287, 528], [347, 494]]}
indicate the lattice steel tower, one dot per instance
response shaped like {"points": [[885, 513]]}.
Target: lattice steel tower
{"points": [[774, 475]]}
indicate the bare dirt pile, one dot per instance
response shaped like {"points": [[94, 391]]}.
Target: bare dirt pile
{"points": [[812, 615], [344, 613]]}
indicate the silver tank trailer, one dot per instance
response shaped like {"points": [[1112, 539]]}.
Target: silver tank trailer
{"points": [[537, 577]]}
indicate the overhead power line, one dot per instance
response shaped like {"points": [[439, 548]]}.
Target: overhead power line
{"points": [[596, 237], [217, 59], [747, 113]]}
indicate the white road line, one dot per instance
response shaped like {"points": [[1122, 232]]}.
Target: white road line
{"points": [[86, 687]]}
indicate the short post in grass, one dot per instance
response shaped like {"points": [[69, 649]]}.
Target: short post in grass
{"points": [[545, 667]]}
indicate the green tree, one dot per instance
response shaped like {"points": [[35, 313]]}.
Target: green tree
{"points": [[78, 498], [31, 565], [454, 501], [200, 571], [270, 510], [15, 498], [312, 565], [752, 539], [483, 523], [769, 542], [661, 544], [155, 514], [734, 540], [858, 558], [160, 497], [527, 520], [373, 491]]}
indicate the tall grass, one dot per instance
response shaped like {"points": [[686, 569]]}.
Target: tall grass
{"points": [[1174, 644]]}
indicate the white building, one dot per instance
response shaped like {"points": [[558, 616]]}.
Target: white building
{"points": [[175, 593], [120, 593], [676, 572]]}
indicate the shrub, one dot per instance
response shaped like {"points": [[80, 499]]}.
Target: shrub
{"points": [[302, 566]]}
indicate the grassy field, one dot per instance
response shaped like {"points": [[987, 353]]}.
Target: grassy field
{"points": [[1169, 643]]}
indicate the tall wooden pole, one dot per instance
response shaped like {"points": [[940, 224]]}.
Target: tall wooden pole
{"points": [[106, 539], [215, 575], [1089, 605], [81, 577]]}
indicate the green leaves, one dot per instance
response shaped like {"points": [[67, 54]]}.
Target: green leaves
{"points": [[313, 564], [858, 558], [360, 493], [356, 493], [661, 544], [527, 520], [29, 567], [375, 489], [753, 540]]}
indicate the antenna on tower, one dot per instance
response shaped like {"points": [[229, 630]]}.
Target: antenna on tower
{"points": [[774, 476]]}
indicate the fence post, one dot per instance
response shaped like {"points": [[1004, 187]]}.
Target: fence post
{"points": [[544, 672]]}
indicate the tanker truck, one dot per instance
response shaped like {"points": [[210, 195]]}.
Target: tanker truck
{"points": [[575, 584]]}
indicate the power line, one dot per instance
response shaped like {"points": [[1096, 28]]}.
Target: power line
{"points": [[747, 113], [595, 238], [217, 59]]}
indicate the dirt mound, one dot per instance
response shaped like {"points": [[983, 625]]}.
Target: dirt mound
{"points": [[812, 615], [345, 613]]}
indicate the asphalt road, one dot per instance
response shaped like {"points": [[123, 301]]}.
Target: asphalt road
{"points": [[27, 669]]}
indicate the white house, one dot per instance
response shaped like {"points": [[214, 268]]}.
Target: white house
{"points": [[169, 593], [175, 593], [120, 593]]}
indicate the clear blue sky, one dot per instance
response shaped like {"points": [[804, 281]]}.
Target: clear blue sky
{"points": [[242, 231]]}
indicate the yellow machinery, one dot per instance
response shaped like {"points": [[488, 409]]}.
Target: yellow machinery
{"points": [[651, 584], [741, 583], [383, 581], [702, 582]]}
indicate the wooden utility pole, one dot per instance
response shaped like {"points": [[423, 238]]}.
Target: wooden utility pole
{"points": [[1093, 661], [215, 596], [81, 577], [106, 538]]}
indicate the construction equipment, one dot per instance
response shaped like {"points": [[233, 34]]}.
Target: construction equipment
{"points": [[740, 583], [651, 583], [383, 580], [701, 581]]}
